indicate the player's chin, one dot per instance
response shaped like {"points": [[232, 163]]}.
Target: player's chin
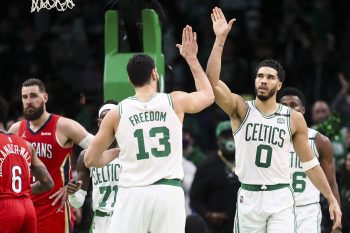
{"points": [[262, 97]]}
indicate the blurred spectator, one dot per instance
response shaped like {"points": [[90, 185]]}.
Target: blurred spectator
{"points": [[341, 103], [189, 171], [190, 151], [195, 224], [214, 188], [330, 125]]}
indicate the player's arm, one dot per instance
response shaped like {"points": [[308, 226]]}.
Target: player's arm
{"points": [[14, 127], [77, 189], [196, 101], [325, 150], [311, 165], [97, 154], [231, 103], [44, 180], [70, 131]]}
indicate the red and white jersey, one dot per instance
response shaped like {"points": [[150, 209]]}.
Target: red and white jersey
{"points": [[15, 161], [56, 158]]}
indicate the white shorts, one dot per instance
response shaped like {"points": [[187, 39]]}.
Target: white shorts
{"points": [[309, 218], [156, 208], [265, 211], [100, 224]]}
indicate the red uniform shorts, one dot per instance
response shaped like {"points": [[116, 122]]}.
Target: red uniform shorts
{"points": [[60, 222], [17, 215]]}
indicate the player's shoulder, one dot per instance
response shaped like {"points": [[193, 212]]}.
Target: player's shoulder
{"points": [[64, 122], [321, 138], [15, 127]]}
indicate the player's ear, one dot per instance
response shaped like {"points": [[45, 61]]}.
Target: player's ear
{"points": [[154, 74], [46, 97], [279, 86]]}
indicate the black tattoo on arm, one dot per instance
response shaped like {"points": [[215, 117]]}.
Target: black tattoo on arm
{"points": [[44, 181]]}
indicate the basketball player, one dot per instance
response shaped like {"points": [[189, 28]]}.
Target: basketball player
{"points": [[307, 196], [52, 136], [104, 181], [17, 156], [264, 132], [148, 129]]}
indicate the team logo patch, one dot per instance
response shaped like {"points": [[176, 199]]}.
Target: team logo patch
{"points": [[281, 120], [45, 134], [241, 199]]}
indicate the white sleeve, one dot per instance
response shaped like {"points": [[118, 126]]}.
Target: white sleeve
{"points": [[77, 199], [86, 141]]}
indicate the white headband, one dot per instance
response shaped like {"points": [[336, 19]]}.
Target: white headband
{"points": [[106, 107]]}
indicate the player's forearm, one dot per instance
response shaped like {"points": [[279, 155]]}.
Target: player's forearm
{"points": [[44, 183], [100, 161], [201, 80], [318, 178], [334, 187], [214, 62]]}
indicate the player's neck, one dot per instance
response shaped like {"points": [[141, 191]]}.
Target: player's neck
{"points": [[145, 93], [267, 107], [36, 124]]}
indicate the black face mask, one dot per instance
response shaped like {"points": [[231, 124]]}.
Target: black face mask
{"points": [[227, 148], [185, 143]]}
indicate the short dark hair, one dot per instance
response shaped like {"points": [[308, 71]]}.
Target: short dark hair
{"points": [[3, 109], [110, 101], [291, 91], [34, 82], [139, 69], [281, 73]]}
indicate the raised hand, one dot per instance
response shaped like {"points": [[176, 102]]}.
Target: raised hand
{"points": [[220, 26], [189, 47]]}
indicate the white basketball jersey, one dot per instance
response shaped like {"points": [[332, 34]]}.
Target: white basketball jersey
{"points": [[105, 186], [150, 139], [262, 147], [304, 191]]}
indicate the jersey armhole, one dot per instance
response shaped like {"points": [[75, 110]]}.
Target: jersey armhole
{"points": [[170, 101], [120, 108], [289, 113], [244, 119]]}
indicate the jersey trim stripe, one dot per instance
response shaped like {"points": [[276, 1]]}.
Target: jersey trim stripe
{"points": [[68, 225], [120, 109], [313, 145], [150, 98], [308, 204], [288, 125], [43, 126], [172, 182], [244, 120], [294, 210], [237, 218], [170, 101], [65, 167], [269, 116]]}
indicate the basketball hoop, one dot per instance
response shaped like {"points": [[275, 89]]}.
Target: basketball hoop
{"points": [[60, 5]]}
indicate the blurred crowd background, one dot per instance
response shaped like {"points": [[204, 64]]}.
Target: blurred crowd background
{"points": [[66, 51]]}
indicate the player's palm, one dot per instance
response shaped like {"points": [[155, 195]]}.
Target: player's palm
{"points": [[189, 47], [220, 26]]}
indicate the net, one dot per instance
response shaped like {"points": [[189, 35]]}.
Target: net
{"points": [[60, 5]]}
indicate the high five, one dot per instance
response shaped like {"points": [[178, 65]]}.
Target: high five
{"points": [[264, 131]]}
